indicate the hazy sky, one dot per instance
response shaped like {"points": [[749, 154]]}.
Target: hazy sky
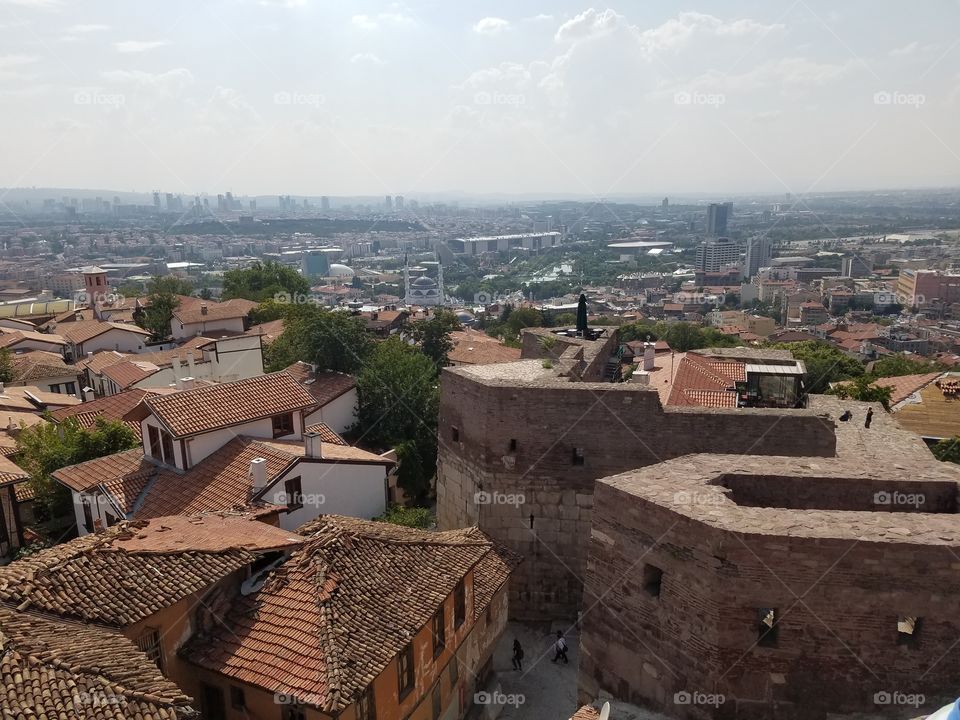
{"points": [[318, 97]]}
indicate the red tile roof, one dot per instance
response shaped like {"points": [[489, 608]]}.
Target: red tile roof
{"points": [[112, 407], [39, 364], [324, 386], [128, 372], [189, 314], [327, 435], [80, 332], [706, 382], [359, 590], [210, 408], [51, 669], [129, 572]]}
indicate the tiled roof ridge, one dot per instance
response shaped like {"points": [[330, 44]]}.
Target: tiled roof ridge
{"points": [[460, 538], [705, 367]]}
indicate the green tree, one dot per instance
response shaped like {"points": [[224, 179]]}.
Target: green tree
{"points": [[682, 336], [433, 335], [521, 318], [45, 448], [825, 364], [415, 517], [331, 339], [862, 389], [398, 405], [263, 281], [162, 301], [900, 364], [6, 365], [948, 450]]}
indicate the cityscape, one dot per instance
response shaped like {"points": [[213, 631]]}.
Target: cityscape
{"points": [[406, 362]]}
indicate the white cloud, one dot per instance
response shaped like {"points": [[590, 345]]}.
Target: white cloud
{"points": [[171, 82], [138, 46], [908, 49], [397, 18], [541, 17], [491, 26], [283, 3], [36, 4], [366, 58], [589, 23], [89, 28], [11, 61]]}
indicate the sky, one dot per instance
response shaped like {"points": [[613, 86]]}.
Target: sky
{"points": [[313, 97]]}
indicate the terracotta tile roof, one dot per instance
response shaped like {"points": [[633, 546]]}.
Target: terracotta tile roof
{"points": [[87, 475], [39, 364], [706, 382], [80, 332], [219, 406], [341, 453], [586, 713], [128, 372], [19, 419], [269, 330], [476, 348], [131, 571], [193, 313], [99, 360], [324, 386], [326, 434], [51, 669], [906, 385], [111, 407], [359, 590], [10, 472], [11, 338], [23, 492]]}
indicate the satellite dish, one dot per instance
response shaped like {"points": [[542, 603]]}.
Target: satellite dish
{"points": [[605, 711]]}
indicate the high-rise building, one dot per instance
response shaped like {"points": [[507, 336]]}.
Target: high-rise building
{"points": [[221, 203], [716, 254], [324, 203], [717, 216], [757, 255], [156, 201], [398, 202], [856, 267], [665, 203], [388, 202], [169, 200]]}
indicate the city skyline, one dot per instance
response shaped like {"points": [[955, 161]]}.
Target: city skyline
{"points": [[299, 97]]}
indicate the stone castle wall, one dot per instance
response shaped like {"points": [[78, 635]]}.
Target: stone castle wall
{"points": [[695, 637], [504, 441]]}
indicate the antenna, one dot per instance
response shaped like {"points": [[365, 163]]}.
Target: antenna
{"points": [[605, 711]]}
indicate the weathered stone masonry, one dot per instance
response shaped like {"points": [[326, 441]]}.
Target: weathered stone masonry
{"points": [[507, 436]]}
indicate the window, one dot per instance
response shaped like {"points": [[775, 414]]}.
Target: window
{"points": [[55, 389], [652, 580], [149, 643], [366, 704], [405, 670], [293, 490], [154, 435], [70, 388], [767, 628], [87, 514], [513, 444], [439, 631], [578, 456], [459, 604], [908, 630], [282, 425], [437, 701], [238, 699], [166, 446], [212, 703], [455, 434], [294, 711]]}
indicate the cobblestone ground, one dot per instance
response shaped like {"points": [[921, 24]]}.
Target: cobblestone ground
{"points": [[548, 690]]}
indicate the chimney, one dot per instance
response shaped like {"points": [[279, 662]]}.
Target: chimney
{"points": [[187, 383], [203, 308], [190, 363], [649, 356], [258, 474], [313, 445], [640, 377], [177, 379]]}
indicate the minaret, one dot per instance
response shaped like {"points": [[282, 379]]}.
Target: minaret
{"points": [[406, 280], [439, 280]]}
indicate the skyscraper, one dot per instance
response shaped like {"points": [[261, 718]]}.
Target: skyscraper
{"points": [[388, 202], [324, 203], [717, 216], [757, 256], [665, 203], [398, 201], [716, 254]]}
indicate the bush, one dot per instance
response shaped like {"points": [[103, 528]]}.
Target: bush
{"points": [[415, 517]]}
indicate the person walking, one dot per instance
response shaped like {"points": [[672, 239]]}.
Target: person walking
{"points": [[517, 655], [561, 648], [866, 423]]}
